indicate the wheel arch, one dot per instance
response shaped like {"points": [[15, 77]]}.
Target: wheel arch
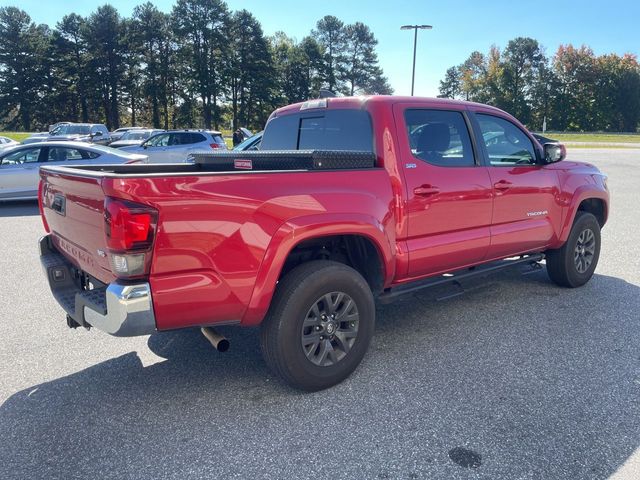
{"points": [[305, 233], [586, 199], [597, 207]]}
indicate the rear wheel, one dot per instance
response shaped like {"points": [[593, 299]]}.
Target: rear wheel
{"points": [[573, 264], [319, 326]]}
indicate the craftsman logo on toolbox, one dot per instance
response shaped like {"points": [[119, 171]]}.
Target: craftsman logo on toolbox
{"points": [[243, 164]]}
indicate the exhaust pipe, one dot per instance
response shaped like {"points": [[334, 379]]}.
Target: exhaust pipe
{"points": [[218, 341]]}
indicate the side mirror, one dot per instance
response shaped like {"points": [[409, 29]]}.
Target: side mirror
{"points": [[554, 152]]}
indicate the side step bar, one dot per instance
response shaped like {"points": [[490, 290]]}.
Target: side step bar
{"points": [[392, 294]]}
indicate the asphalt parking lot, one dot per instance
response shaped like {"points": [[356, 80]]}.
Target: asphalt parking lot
{"points": [[516, 379]]}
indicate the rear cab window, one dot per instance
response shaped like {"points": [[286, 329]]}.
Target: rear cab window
{"points": [[337, 129]]}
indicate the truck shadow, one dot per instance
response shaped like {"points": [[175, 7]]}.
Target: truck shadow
{"points": [[19, 208], [537, 381]]}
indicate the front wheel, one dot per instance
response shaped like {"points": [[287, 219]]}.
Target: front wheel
{"points": [[319, 326], [573, 264]]}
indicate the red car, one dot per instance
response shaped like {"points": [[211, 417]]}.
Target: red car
{"points": [[349, 201]]}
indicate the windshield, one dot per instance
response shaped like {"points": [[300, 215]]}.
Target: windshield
{"points": [[136, 135], [72, 130]]}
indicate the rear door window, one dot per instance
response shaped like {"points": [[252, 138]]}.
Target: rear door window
{"points": [[175, 139], [346, 130], [62, 154], [439, 137]]}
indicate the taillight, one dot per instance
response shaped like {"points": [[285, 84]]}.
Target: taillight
{"points": [[214, 145], [129, 230], [41, 194]]}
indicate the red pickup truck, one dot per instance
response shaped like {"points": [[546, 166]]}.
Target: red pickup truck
{"points": [[350, 201]]}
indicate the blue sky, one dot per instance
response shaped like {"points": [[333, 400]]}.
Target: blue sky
{"points": [[459, 28]]}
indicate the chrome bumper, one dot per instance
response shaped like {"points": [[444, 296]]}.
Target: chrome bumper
{"points": [[118, 309], [129, 311]]}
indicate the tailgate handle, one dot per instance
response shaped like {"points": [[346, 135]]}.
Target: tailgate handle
{"points": [[59, 203]]}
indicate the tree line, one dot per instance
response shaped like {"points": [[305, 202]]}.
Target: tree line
{"points": [[201, 65], [573, 90]]}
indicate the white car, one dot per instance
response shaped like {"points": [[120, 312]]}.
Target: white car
{"points": [[19, 166], [133, 138], [6, 142], [117, 134], [176, 146]]}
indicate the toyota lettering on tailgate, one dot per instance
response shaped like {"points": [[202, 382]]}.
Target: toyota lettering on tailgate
{"points": [[77, 253]]}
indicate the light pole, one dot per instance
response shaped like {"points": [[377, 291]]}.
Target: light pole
{"points": [[415, 29]]}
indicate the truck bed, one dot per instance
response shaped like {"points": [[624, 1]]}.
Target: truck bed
{"points": [[215, 221]]}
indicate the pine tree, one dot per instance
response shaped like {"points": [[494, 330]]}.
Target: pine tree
{"points": [[360, 70], [202, 31], [22, 56], [330, 35]]}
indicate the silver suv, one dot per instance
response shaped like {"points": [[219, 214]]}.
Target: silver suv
{"points": [[175, 146]]}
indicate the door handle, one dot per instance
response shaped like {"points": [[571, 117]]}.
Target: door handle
{"points": [[426, 190], [502, 185]]}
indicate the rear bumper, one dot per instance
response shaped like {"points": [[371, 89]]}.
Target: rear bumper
{"points": [[122, 310]]}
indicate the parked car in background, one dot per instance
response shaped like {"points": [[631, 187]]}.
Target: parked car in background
{"points": [[53, 127], [133, 138], [75, 132], [19, 165], [6, 142], [251, 143], [119, 132], [42, 136], [36, 137], [175, 146]]}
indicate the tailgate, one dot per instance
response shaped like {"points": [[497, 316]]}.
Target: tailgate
{"points": [[73, 206]]}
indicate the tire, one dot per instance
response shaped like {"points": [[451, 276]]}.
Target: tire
{"points": [[573, 264], [295, 323]]}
